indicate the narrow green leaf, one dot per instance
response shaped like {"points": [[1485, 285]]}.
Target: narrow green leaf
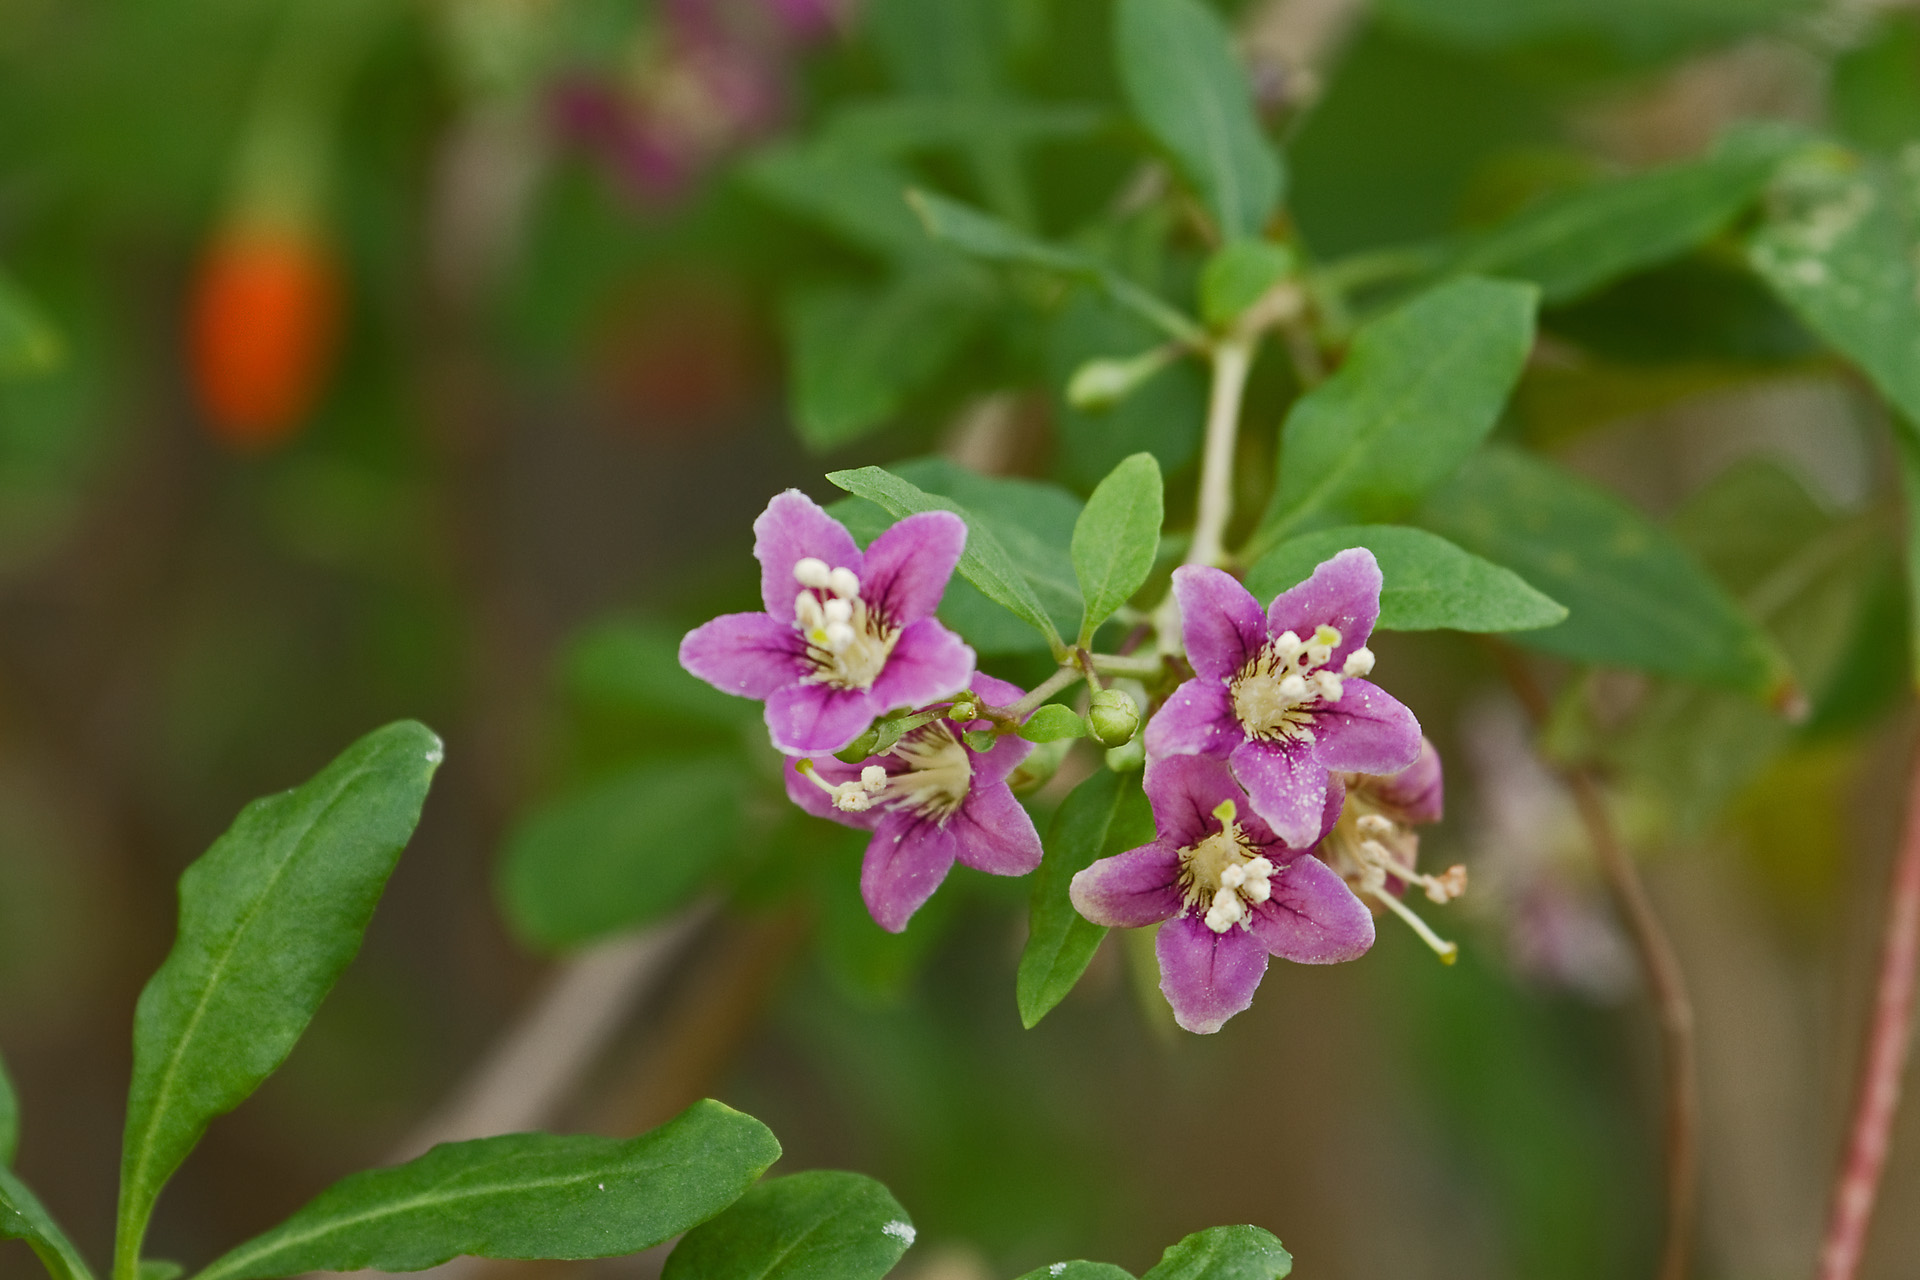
{"points": [[1238, 275], [1185, 85], [524, 1195], [1420, 389], [622, 851], [28, 343], [992, 240], [889, 127], [23, 1217], [855, 196], [985, 563], [857, 354], [1052, 723], [269, 916], [1838, 248], [1115, 539], [1224, 1253], [1105, 815], [1078, 1270], [819, 1225], [9, 1117], [1430, 584], [1572, 243], [1635, 597], [160, 1269]]}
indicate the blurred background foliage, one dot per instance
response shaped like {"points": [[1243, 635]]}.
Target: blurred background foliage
{"points": [[376, 358]]}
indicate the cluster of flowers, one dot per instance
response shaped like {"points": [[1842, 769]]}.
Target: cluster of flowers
{"points": [[1284, 785]]}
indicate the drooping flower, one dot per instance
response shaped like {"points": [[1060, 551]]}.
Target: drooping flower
{"points": [[846, 635], [930, 801], [1230, 891], [1376, 850], [1280, 693]]}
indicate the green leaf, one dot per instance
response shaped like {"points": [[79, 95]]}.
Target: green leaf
{"points": [[524, 1195], [1105, 815], [1574, 242], [9, 1117], [623, 850], [1420, 389], [1429, 584], [28, 344], [1115, 539], [1185, 85], [1239, 275], [269, 916], [992, 240], [1224, 1253], [23, 1217], [857, 197], [630, 667], [1078, 1270], [1162, 416], [1874, 93], [1635, 597], [1052, 723], [1838, 248], [985, 563], [819, 1225], [160, 1269], [859, 353], [889, 127], [1910, 491]]}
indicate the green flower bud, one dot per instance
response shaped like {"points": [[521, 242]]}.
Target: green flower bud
{"points": [[1114, 718], [1104, 382]]}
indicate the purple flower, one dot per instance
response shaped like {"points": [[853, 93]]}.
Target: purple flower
{"points": [[1279, 693], [1375, 849], [846, 635], [1230, 890], [930, 801]]}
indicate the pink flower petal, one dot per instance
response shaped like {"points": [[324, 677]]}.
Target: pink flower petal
{"points": [[1207, 977], [1343, 592], [1367, 731], [1416, 793], [928, 663], [906, 861], [1220, 619], [1288, 787], [907, 568], [1197, 720], [1131, 889], [792, 528], [1184, 791], [1312, 917], [993, 832], [816, 719], [746, 654]]}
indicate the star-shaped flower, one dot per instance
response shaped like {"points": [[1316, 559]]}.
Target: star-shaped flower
{"points": [[846, 635], [1279, 693], [930, 801], [1230, 890]]}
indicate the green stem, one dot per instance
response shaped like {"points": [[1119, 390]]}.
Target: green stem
{"points": [[1016, 712], [1110, 664], [1232, 358]]}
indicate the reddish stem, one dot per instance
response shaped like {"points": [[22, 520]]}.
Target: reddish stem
{"points": [[1888, 1040]]}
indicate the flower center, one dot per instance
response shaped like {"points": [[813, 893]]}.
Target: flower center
{"points": [[937, 775], [1275, 693], [1225, 874], [847, 642], [1367, 848]]}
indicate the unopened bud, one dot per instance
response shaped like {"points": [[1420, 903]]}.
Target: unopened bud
{"points": [[1114, 717], [1103, 382]]}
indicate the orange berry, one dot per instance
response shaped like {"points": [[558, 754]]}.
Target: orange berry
{"points": [[265, 308]]}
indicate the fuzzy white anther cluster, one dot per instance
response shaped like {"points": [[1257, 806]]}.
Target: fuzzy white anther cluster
{"points": [[1243, 886], [830, 624], [858, 796]]}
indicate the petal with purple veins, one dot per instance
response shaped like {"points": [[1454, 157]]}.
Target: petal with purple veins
{"points": [[792, 528], [1132, 889], [1287, 785], [907, 568], [1197, 720], [1220, 620], [1343, 593], [992, 832], [906, 861], [1184, 791], [1367, 731], [746, 654], [818, 719], [928, 662], [1207, 977], [1312, 917]]}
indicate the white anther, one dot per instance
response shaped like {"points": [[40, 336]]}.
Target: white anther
{"points": [[839, 636], [843, 583], [1259, 868], [1287, 645], [811, 572], [1233, 877], [849, 798], [873, 778], [1226, 911], [1293, 688], [1257, 891], [1327, 685], [1358, 663], [806, 611], [1317, 654], [1373, 824], [838, 610]]}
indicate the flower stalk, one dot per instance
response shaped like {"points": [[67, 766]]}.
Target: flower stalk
{"points": [[1232, 359], [1889, 1040]]}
